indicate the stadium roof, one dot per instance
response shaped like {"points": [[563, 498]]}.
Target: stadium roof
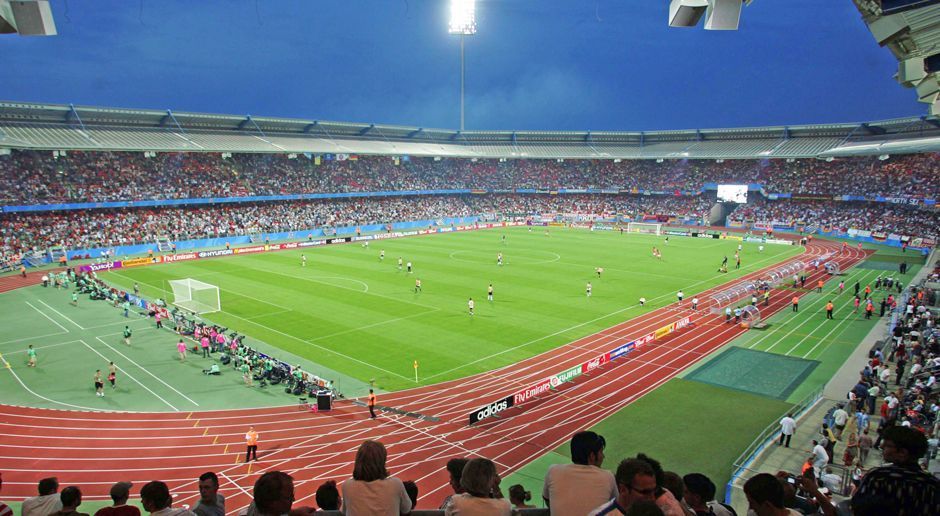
{"points": [[66, 127]]}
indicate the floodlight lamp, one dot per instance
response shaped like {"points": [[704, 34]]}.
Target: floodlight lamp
{"points": [[462, 17]]}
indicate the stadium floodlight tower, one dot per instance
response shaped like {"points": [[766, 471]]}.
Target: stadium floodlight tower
{"points": [[463, 23]]}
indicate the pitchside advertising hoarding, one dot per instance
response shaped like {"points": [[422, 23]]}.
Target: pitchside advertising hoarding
{"points": [[552, 382]]}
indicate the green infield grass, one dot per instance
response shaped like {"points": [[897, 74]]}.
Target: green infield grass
{"points": [[349, 311]]}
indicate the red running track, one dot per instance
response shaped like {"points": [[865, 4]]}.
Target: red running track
{"points": [[94, 450]]}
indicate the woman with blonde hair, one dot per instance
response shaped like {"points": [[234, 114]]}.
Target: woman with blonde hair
{"points": [[481, 496], [371, 491]]}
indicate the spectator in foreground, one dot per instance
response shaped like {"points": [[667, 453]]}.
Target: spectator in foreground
{"points": [[481, 496], [156, 499], [700, 496], [518, 497], [412, 489], [327, 496], [210, 503], [119, 494], [273, 494], [371, 491], [71, 498], [902, 486], [765, 496], [47, 502], [578, 487], [5, 509], [455, 468], [664, 498], [636, 481]]}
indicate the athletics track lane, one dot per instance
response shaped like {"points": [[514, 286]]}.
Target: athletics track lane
{"points": [[178, 448]]}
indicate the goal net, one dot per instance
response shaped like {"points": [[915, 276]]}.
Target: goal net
{"points": [[645, 227], [195, 296]]}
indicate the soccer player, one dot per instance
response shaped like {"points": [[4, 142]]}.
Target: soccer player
{"points": [[740, 247], [74, 298], [417, 285], [642, 301], [303, 260], [127, 335], [112, 373], [666, 242], [499, 259], [599, 271], [489, 292], [99, 384], [408, 266], [470, 306], [588, 289], [737, 261], [399, 263], [382, 255], [760, 248], [31, 356]]}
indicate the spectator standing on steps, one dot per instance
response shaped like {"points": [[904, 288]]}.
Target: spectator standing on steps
{"points": [[787, 428]]}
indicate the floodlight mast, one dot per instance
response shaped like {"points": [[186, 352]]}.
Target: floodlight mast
{"points": [[462, 23]]}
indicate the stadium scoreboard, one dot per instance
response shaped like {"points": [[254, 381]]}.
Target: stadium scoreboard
{"points": [[732, 193]]}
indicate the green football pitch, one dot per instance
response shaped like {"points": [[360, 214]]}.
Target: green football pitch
{"points": [[351, 312]]}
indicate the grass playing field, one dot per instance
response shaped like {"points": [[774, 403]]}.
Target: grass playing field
{"points": [[352, 312]]}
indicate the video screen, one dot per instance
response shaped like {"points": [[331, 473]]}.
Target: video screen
{"points": [[732, 193]]}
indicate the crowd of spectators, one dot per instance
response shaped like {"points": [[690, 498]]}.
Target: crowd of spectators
{"points": [[38, 177], [84, 229], [902, 219]]}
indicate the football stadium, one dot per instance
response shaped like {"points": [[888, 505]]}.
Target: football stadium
{"points": [[213, 313]]}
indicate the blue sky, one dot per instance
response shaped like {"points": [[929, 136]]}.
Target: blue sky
{"points": [[533, 65]]}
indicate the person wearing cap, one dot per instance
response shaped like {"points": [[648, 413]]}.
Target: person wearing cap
{"points": [[119, 494]]}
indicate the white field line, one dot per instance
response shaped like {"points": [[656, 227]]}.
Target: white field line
{"points": [[64, 329], [67, 318], [142, 368], [40, 396], [576, 326], [37, 337], [818, 301], [249, 321], [131, 377]]}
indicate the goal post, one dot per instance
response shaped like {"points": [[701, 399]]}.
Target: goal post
{"points": [[645, 227], [196, 296]]}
